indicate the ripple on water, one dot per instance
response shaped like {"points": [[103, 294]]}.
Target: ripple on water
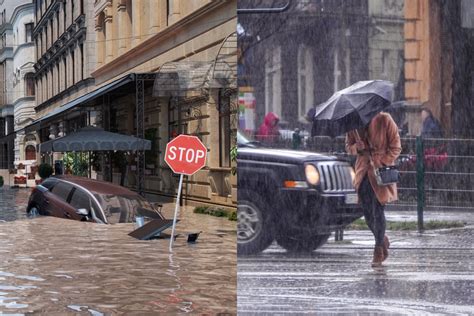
{"points": [[56, 266]]}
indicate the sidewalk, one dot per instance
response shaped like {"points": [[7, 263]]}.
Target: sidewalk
{"points": [[466, 217]]}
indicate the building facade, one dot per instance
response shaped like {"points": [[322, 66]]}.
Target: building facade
{"points": [[291, 67], [439, 67], [387, 43], [65, 58], [175, 50], [17, 89]]}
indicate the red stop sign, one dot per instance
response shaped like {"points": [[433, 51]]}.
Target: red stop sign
{"points": [[185, 154]]}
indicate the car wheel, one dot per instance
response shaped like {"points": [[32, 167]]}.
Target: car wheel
{"points": [[301, 244], [33, 211], [254, 228]]}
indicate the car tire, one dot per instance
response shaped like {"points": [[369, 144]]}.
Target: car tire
{"points": [[254, 226], [33, 210], [301, 244]]}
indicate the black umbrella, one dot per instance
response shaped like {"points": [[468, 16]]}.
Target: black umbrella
{"points": [[352, 107]]}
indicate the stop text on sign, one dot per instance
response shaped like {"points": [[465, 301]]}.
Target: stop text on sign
{"points": [[185, 154]]}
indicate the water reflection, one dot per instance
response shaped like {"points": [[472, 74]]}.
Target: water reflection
{"points": [[54, 266]]}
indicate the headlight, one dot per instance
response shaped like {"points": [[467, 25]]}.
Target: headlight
{"points": [[353, 174], [312, 174]]}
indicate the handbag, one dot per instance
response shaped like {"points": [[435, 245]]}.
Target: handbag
{"points": [[385, 175]]}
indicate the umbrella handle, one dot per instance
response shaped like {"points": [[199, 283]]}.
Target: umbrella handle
{"points": [[357, 135]]}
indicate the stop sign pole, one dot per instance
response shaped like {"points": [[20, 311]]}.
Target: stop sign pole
{"points": [[185, 155]]}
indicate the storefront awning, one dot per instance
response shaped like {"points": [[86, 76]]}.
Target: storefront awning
{"points": [[83, 99], [94, 139]]}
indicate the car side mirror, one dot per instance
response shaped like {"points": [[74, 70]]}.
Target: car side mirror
{"points": [[83, 212]]}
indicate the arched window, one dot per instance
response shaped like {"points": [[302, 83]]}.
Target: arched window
{"points": [[305, 80], [30, 152], [273, 67], [29, 84]]}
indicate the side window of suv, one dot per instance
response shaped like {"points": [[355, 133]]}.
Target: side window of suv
{"points": [[62, 190], [80, 199]]}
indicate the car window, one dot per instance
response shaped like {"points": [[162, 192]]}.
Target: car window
{"points": [[121, 209], [80, 199], [62, 190], [49, 183]]}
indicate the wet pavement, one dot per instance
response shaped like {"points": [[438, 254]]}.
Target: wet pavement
{"points": [[428, 274], [52, 266]]}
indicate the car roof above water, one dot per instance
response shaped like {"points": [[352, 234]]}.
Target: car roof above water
{"points": [[97, 186]]}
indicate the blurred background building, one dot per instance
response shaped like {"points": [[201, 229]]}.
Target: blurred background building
{"points": [[17, 88], [295, 59]]}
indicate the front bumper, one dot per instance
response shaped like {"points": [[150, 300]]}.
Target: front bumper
{"points": [[309, 211]]}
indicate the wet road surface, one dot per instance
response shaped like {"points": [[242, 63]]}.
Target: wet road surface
{"points": [[429, 274], [53, 266]]}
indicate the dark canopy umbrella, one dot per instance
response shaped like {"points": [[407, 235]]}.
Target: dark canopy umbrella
{"points": [[95, 139], [352, 107]]}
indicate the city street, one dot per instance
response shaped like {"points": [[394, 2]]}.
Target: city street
{"points": [[429, 274], [54, 266]]}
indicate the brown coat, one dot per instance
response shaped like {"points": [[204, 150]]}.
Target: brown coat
{"points": [[385, 146]]}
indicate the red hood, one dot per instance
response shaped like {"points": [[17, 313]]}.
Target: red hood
{"points": [[270, 119]]}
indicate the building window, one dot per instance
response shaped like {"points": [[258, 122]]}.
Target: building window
{"points": [[81, 49], [57, 23], [47, 41], [65, 15], [65, 73], [58, 74], [30, 152], [28, 32], [72, 11], [305, 81], [30, 84], [73, 71], [273, 81]]}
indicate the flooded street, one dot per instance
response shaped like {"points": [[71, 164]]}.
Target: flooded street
{"points": [[55, 266]]}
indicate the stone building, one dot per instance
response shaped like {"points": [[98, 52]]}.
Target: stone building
{"points": [[387, 43], [65, 58], [161, 62], [17, 89], [296, 59]]}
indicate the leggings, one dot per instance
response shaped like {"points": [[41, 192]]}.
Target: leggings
{"points": [[373, 211]]}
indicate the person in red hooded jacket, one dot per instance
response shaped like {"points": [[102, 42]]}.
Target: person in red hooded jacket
{"points": [[269, 131]]}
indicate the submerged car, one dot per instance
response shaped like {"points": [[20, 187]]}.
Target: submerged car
{"points": [[91, 200], [296, 198]]}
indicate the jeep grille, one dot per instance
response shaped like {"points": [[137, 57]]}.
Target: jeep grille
{"points": [[335, 177]]}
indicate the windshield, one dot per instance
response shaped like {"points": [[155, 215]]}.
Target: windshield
{"points": [[122, 209], [245, 141]]}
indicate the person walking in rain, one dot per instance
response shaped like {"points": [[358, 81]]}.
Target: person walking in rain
{"points": [[269, 132], [376, 145]]}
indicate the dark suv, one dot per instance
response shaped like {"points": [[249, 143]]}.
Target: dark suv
{"points": [[295, 197], [86, 199]]}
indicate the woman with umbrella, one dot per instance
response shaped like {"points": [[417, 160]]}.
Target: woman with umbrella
{"points": [[373, 136]]}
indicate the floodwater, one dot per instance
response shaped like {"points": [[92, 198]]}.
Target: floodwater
{"points": [[55, 266]]}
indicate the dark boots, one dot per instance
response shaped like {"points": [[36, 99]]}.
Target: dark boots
{"points": [[378, 256], [381, 252], [386, 245]]}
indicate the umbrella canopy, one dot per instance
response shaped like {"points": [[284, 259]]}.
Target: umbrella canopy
{"points": [[352, 107], [94, 139]]}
